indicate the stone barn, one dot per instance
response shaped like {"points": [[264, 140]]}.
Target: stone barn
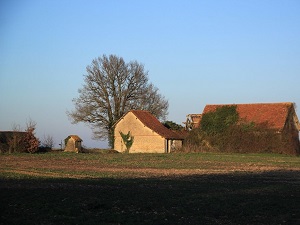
{"points": [[149, 135], [281, 117], [73, 144]]}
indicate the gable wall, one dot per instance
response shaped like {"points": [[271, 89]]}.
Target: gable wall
{"points": [[70, 146], [145, 140], [73, 146]]}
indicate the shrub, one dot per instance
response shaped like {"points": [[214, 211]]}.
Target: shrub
{"points": [[172, 125], [220, 120], [31, 143], [128, 140]]}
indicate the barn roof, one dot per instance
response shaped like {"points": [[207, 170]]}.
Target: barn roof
{"points": [[273, 114], [75, 137], [153, 123]]}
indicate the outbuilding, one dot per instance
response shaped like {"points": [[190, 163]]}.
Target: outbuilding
{"points": [[147, 133], [73, 144], [280, 116]]}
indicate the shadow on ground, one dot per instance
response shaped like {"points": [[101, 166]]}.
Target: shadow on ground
{"points": [[237, 198]]}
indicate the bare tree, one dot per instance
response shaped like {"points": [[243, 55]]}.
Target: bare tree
{"points": [[113, 87], [48, 141], [14, 141], [30, 125], [15, 127]]}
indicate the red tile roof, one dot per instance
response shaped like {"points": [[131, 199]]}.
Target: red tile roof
{"points": [[153, 123], [274, 114]]}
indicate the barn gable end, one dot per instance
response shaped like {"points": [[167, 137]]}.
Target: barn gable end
{"points": [[150, 136]]}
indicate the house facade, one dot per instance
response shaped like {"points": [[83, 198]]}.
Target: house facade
{"points": [[73, 144], [149, 135]]}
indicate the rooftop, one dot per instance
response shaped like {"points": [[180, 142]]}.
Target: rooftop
{"points": [[154, 124], [274, 114]]}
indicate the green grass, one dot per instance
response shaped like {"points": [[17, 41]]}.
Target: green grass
{"points": [[115, 197], [164, 161], [175, 159]]}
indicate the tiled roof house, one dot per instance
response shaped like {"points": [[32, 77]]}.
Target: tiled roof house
{"points": [[150, 135], [280, 116]]}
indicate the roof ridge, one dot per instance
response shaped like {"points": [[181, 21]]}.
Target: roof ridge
{"points": [[154, 124]]}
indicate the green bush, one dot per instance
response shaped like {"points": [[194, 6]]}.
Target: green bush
{"points": [[172, 125], [220, 120], [128, 140]]}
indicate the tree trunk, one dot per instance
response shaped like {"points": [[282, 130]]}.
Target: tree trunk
{"points": [[111, 138]]}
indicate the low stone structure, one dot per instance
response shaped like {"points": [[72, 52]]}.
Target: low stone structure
{"points": [[73, 144]]}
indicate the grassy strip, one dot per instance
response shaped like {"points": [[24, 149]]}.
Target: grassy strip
{"points": [[178, 160], [70, 165]]}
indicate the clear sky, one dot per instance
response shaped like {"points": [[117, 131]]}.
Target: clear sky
{"points": [[197, 52]]}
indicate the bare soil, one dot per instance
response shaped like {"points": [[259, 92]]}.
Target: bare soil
{"points": [[119, 190]]}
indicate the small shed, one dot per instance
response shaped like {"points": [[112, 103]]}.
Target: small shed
{"points": [[73, 144]]}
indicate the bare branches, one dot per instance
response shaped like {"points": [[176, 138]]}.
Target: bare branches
{"points": [[47, 141], [113, 87], [30, 125]]}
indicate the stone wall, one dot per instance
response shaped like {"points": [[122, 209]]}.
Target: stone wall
{"points": [[145, 140], [73, 146]]}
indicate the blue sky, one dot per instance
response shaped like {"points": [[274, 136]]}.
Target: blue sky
{"points": [[196, 52]]}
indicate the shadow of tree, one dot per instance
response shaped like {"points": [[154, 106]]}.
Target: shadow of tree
{"points": [[236, 198]]}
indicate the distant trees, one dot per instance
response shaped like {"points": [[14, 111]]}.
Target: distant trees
{"points": [[172, 125], [113, 87], [15, 139], [47, 142], [20, 141]]}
